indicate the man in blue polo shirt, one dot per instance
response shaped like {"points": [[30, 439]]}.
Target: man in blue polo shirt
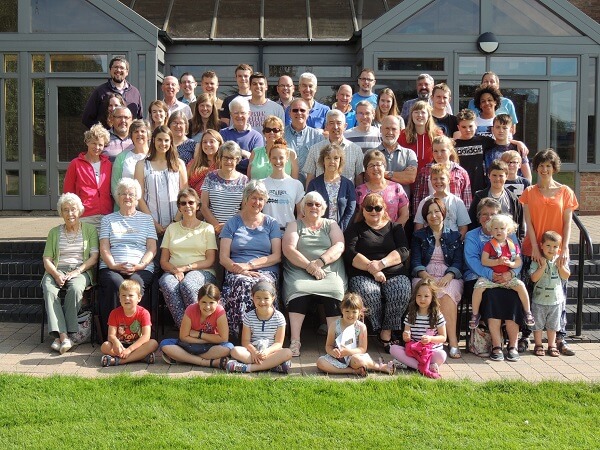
{"points": [[317, 111]]}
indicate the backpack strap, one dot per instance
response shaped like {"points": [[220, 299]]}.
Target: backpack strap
{"points": [[498, 248]]}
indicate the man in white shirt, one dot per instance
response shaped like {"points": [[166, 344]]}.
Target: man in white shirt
{"points": [[170, 88]]}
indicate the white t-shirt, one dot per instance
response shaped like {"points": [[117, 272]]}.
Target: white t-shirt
{"points": [[284, 194]]}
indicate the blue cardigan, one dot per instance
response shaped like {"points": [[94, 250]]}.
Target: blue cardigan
{"points": [[346, 201], [423, 244]]}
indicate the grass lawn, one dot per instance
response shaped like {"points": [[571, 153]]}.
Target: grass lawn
{"points": [[264, 412]]}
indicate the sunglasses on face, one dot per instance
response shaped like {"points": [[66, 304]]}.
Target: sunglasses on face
{"points": [[298, 110], [268, 130], [189, 202], [311, 204], [376, 208]]}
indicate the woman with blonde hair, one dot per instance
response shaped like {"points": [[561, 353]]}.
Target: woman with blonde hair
{"points": [[419, 132]]}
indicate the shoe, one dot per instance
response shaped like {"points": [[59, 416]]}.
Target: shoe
{"points": [[166, 358], [236, 366], [497, 354], [454, 352], [385, 343], [283, 367], [399, 365], [538, 350], [553, 351], [222, 363], [150, 358], [295, 347], [523, 345], [529, 320], [55, 345], [322, 330], [564, 348], [474, 322], [108, 360], [512, 354], [65, 346], [433, 367]]}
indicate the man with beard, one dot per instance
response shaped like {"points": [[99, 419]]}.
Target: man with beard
{"points": [[117, 83], [424, 88], [120, 140]]}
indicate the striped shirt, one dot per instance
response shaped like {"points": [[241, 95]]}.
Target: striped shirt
{"points": [[263, 330], [225, 196], [421, 327], [127, 237], [365, 140]]}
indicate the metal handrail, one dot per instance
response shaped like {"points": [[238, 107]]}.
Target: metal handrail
{"points": [[585, 243]]}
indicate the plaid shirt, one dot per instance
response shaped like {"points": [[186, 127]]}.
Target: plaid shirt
{"points": [[459, 185]]}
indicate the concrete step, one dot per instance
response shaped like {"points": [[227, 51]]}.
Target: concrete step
{"points": [[21, 267], [23, 292]]}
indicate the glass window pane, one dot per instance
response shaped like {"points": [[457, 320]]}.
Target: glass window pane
{"points": [[367, 12], [563, 119], [403, 89], [527, 107], [78, 63], [563, 67], [224, 73], [11, 63], [454, 17], [39, 120], [591, 116], [331, 19], [11, 182], [411, 64], [507, 65], [238, 19], [471, 65], [56, 16], [38, 63], [153, 11], [292, 24], [9, 14], [188, 20], [466, 91], [319, 71], [61, 178], [527, 18], [11, 118], [40, 182], [71, 101]]}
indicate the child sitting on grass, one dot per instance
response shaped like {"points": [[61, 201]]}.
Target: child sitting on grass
{"points": [[346, 344], [548, 296], [502, 254], [424, 332], [263, 332], [129, 329]]}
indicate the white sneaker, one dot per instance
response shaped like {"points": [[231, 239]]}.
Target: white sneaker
{"points": [[65, 346], [55, 345]]}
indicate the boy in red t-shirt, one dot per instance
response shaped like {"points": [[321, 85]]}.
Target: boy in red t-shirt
{"points": [[129, 328]]}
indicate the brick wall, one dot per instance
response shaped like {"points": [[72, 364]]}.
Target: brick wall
{"points": [[589, 7], [589, 193]]}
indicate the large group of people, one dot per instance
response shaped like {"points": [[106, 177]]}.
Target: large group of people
{"points": [[244, 209]]}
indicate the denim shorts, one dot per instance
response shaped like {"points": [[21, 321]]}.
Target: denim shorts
{"points": [[194, 349]]}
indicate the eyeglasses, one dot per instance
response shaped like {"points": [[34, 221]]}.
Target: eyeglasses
{"points": [[228, 158], [298, 110], [285, 86], [376, 208], [122, 117], [374, 166], [370, 80], [268, 130], [126, 194], [311, 204], [189, 203], [514, 163]]}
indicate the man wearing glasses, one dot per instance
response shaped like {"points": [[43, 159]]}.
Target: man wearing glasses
{"points": [[120, 140], [366, 83], [117, 83], [298, 135], [285, 89]]}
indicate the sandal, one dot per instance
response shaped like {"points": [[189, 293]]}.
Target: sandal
{"points": [[385, 343], [108, 360], [361, 372], [454, 353], [529, 320], [295, 347], [222, 363], [150, 358], [497, 354], [553, 351], [474, 322], [538, 350], [390, 367]]}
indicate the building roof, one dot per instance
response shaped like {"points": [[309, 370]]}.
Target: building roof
{"points": [[260, 20]]}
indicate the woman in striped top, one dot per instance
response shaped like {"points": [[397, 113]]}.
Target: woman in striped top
{"points": [[223, 189]]}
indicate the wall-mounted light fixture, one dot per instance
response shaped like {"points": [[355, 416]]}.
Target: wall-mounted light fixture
{"points": [[487, 43]]}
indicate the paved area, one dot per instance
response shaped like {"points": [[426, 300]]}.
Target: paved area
{"points": [[21, 352]]}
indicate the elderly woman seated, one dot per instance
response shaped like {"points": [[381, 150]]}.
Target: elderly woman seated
{"points": [[313, 269], [250, 251], [70, 257], [377, 254], [127, 247]]}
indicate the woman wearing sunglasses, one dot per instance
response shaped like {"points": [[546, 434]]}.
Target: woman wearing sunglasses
{"points": [[392, 193], [313, 269], [377, 256], [259, 164], [189, 249]]}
